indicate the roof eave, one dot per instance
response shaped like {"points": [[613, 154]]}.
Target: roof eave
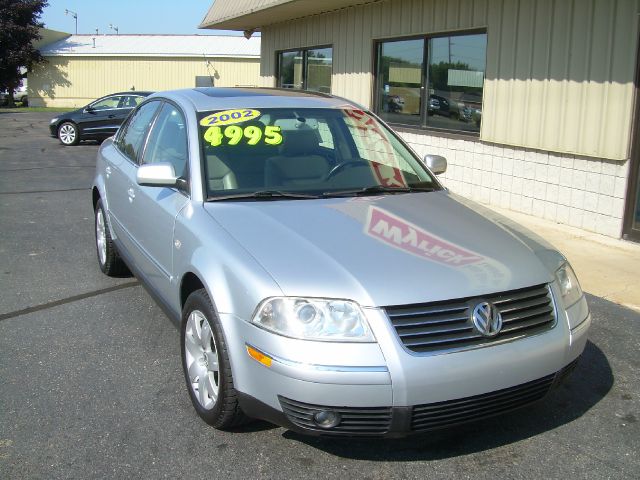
{"points": [[277, 12], [160, 55]]}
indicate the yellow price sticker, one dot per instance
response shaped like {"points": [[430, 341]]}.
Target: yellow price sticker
{"points": [[234, 134], [229, 117]]}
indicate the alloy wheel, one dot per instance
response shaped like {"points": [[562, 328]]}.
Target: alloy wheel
{"points": [[201, 358], [101, 236], [67, 134]]}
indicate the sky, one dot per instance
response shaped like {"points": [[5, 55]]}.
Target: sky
{"points": [[129, 16]]}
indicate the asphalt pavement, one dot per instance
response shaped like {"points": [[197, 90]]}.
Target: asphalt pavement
{"points": [[91, 384]]}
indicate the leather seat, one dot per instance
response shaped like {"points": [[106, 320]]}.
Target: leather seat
{"points": [[220, 176], [298, 164]]}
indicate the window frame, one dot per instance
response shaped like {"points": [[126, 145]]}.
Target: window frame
{"points": [[125, 126], [305, 56], [422, 126], [91, 107], [143, 151]]}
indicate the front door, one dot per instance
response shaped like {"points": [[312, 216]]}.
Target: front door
{"points": [[121, 160], [154, 209], [103, 117]]}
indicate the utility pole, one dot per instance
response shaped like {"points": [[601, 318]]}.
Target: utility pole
{"points": [[75, 17]]}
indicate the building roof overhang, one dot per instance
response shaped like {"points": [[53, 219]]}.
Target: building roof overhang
{"points": [[207, 46], [251, 15]]}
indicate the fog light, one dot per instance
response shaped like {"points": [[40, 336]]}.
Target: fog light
{"points": [[326, 419]]}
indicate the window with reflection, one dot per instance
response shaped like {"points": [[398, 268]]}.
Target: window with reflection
{"points": [[400, 69], [131, 135], [434, 82], [306, 69], [168, 140]]}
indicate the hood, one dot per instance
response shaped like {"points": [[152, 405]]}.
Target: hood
{"points": [[378, 251]]}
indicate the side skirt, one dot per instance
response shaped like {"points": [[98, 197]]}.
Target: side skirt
{"points": [[174, 316]]}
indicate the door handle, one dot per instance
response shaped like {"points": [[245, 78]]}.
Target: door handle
{"points": [[132, 194], [112, 116]]}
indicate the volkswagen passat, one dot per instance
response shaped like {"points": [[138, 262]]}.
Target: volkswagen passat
{"points": [[322, 277]]}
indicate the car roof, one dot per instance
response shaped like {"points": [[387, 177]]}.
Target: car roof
{"points": [[220, 98], [130, 92]]}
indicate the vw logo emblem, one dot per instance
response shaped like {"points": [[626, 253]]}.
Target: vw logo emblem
{"points": [[487, 319]]}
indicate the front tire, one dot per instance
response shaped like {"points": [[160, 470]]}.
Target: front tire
{"points": [[206, 366], [108, 258], [68, 134]]}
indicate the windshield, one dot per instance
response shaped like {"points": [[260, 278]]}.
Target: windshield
{"points": [[304, 153]]}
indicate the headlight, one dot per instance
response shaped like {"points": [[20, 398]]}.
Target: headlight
{"points": [[314, 319], [53, 120], [569, 286]]}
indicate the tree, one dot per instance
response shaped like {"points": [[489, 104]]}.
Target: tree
{"points": [[19, 28]]}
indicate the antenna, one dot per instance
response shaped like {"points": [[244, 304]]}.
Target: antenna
{"points": [[209, 67], [74, 15]]}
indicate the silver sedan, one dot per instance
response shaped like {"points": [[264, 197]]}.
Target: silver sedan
{"points": [[321, 276]]}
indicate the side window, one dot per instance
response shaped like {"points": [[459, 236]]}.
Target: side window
{"points": [[105, 103], [306, 69], [132, 139], [432, 82], [168, 140], [130, 101]]}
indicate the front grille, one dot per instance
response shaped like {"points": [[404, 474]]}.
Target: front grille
{"points": [[446, 325], [444, 414], [358, 421]]}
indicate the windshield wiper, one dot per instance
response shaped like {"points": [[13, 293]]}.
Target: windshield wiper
{"points": [[376, 190], [261, 194]]}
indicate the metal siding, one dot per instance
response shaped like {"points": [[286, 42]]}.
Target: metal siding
{"points": [[556, 87], [559, 73], [89, 78]]}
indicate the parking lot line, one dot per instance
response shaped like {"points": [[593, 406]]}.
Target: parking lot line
{"points": [[46, 191], [64, 301]]}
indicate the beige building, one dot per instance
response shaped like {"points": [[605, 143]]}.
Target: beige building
{"points": [[81, 68], [531, 101]]}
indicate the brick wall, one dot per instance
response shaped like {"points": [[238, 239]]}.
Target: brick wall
{"points": [[579, 191]]}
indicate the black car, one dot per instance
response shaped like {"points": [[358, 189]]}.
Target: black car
{"points": [[96, 121]]}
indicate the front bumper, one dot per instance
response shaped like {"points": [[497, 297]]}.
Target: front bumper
{"points": [[398, 422], [53, 129], [381, 389]]}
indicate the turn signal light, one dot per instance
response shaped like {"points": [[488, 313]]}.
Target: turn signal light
{"points": [[259, 356]]}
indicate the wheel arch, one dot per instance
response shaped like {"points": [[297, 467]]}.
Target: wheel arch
{"points": [[95, 196], [190, 283], [67, 120]]}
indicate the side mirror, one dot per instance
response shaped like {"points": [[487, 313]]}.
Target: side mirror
{"points": [[436, 163], [156, 175]]}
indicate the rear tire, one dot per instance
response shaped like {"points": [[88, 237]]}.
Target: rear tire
{"points": [[68, 134], [108, 258], [206, 366]]}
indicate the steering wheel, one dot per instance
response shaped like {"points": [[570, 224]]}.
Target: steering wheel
{"points": [[344, 166]]}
